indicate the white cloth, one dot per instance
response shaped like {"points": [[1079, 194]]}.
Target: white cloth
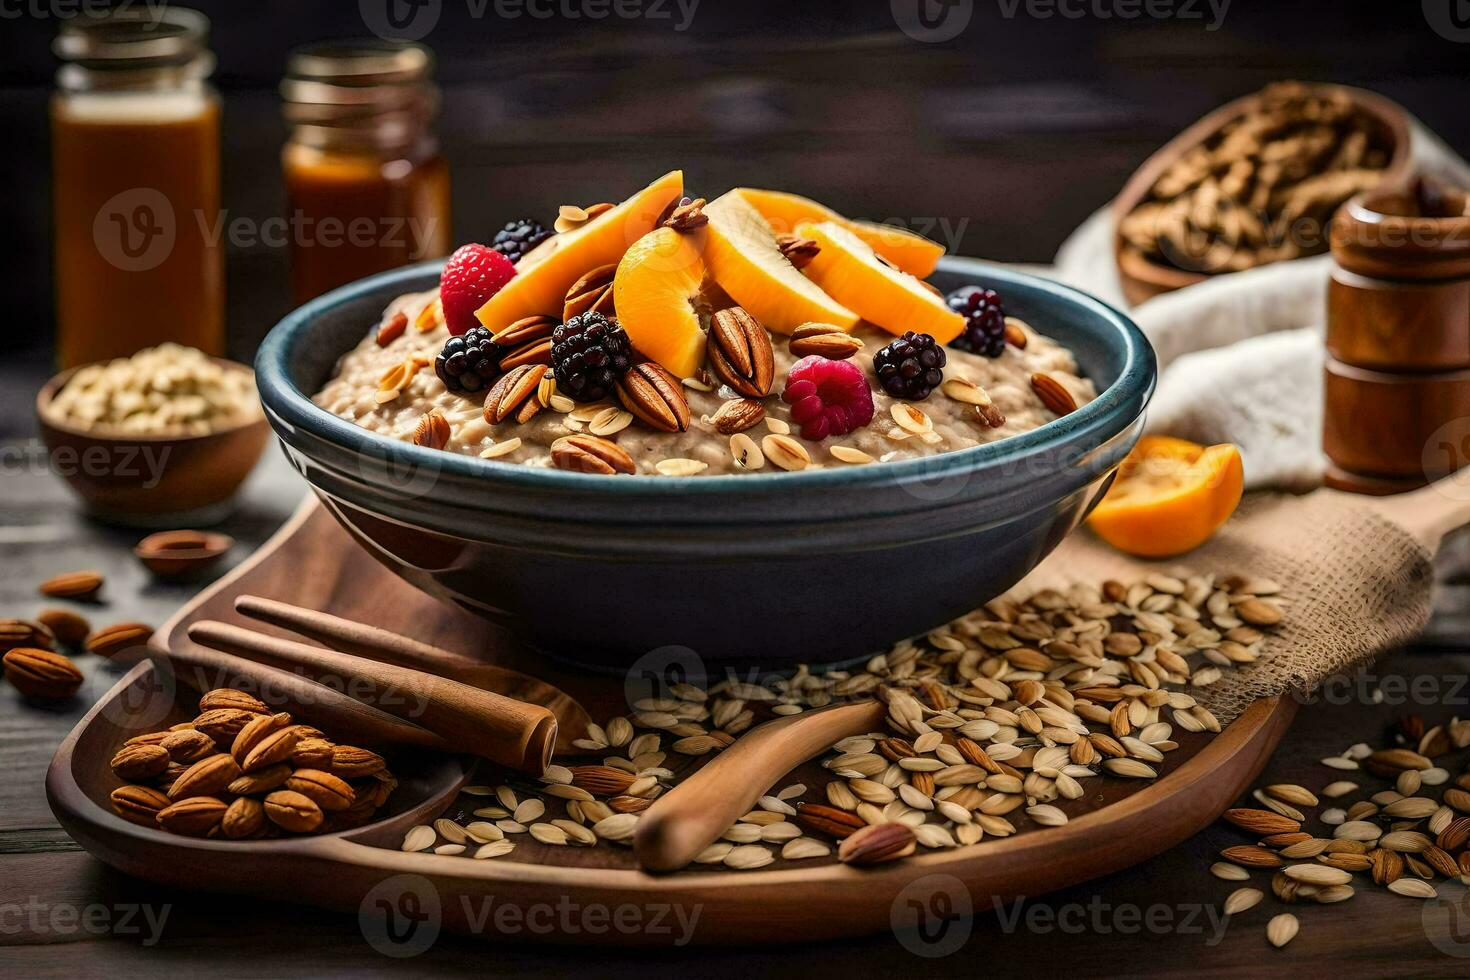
{"points": [[1240, 355]]}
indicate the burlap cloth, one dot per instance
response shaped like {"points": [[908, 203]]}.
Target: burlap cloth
{"points": [[1353, 584]]}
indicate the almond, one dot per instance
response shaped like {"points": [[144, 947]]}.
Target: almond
{"points": [[654, 395], [351, 762], [312, 753], [331, 793], [392, 328], [208, 776], [1261, 822], [823, 340], [69, 628], [19, 633], [244, 818], [602, 780], [822, 819], [193, 817], [260, 781], [139, 804], [876, 844], [737, 415], [188, 746], [739, 352], [273, 747], [292, 811], [139, 762], [42, 674], [433, 430], [223, 724], [1455, 834], [73, 585], [1251, 856], [1015, 335], [1053, 394], [118, 639], [591, 454], [229, 697], [255, 732]]}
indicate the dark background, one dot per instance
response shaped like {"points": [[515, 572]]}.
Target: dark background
{"points": [[1015, 130]]}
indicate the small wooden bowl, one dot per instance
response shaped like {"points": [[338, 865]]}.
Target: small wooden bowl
{"points": [[1384, 234], [1389, 425], [182, 554], [151, 481], [1143, 278]]}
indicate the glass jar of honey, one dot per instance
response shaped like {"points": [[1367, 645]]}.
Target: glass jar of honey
{"points": [[367, 186], [136, 186]]}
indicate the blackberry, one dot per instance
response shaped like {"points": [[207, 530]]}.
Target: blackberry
{"points": [[589, 353], [985, 320], [910, 367], [519, 237], [469, 362]]}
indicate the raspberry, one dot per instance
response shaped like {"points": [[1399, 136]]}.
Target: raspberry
{"points": [[472, 275], [910, 367], [827, 398], [519, 237], [985, 320]]}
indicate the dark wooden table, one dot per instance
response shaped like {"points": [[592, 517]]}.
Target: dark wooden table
{"points": [[62, 913]]}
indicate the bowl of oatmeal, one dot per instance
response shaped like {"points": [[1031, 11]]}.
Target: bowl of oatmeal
{"points": [[609, 557]]}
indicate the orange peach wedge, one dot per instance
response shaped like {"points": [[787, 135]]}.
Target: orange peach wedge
{"points": [[654, 291], [850, 272], [542, 287], [911, 252], [744, 260]]}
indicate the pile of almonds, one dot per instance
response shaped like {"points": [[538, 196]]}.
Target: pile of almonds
{"points": [[1401, 837], [243, 772]]}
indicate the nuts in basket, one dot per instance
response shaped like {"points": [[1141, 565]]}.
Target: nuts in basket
{"points": [[243, 772], [1264, 187]]}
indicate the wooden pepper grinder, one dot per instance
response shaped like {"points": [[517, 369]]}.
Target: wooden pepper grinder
{"points": [[1398, 339]]}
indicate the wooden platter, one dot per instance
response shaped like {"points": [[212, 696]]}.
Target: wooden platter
{"points": [[312, 562]]}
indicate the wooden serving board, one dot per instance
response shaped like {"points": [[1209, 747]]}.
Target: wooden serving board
{"points": [[312, 562]]}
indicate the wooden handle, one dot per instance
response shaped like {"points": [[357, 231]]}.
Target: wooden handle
{"points": [[204, 670], [1431, 512], [503, 730], [692, 815]]}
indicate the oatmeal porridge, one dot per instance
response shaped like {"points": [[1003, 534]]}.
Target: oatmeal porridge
{"points": [[668, 361]]}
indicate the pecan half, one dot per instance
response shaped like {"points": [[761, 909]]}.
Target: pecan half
{"points": [[737, 415], [798, 251], [433, 430], [654, 395], [824, 340], [42, 674], [112, 641], [687, 215], [1053, 394], [593, 293], [739, 352], [526, 341], [877, 843], [589, 454], [513, 389], [20, 633]]}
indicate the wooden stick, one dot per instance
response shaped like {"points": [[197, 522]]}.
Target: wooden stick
{"points": [[352, 637], [509, 732], [692, 815]]}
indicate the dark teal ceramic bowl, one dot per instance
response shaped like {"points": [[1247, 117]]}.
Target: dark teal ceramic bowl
{"points": [[764, 569]]}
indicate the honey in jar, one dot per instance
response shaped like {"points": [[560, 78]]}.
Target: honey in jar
{"points": [[136, 187], [367, 186]]}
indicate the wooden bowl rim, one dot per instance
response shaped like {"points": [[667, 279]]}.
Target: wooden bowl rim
{"points": [[49, 390], [1150, 273]]}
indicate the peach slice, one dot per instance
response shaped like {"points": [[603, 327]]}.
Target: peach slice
{"points": [[654, 290], [911, 252], [853, 274], [541, 288], [743, 258]]}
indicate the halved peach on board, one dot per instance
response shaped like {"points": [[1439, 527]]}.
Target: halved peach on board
{"points": [[911, 252], [655, 290], [850, 272], [541, 288], [1169, 497], [743, 258]]}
